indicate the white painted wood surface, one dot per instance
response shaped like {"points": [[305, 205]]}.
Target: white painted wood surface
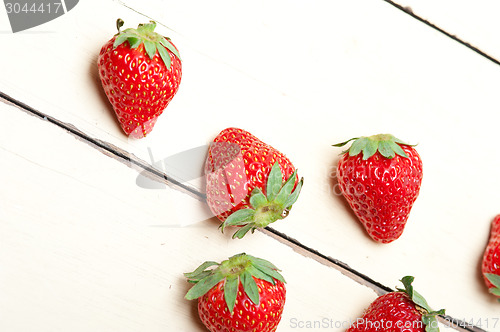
{"points": [[475, 23], [104, 254], [85, 249]]}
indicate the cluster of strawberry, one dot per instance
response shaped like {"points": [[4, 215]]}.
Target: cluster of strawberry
{"points": [[250, 184]]}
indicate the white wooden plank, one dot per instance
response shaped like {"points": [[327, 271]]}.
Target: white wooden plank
{"points": [[385, 72], [475, 23], [410, 79], [434, 102], [84, 248]]}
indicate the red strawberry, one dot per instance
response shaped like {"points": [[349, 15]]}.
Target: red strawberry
{"points": [[491, 259], [140, 72], [243, 293], [248, 182], [403, 310], [380, 176]]}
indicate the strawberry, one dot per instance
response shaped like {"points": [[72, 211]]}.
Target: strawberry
{"points": [[380, 177], [140, 71], [491, 259], [243, 293], [402, 310], [248, 182]]}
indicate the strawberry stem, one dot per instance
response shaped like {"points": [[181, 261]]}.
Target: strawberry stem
{"points": [[119, 24], [152, 41], [495, 280], [386, 144], [428, 316], [241, 268], [266, 209]]}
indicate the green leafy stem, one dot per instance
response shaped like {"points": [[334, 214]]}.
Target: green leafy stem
{"points": [[238, 269], [145, 34], [266, 209], [495, 280], [386, 144], [429, 318]]}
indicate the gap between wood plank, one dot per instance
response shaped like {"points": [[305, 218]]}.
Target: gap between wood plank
{"points": [[146, 169], [107, 148], [410, 12]]}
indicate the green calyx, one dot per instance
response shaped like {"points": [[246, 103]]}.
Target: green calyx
{"points": [[144, 34], [428, 315], [386, 144], [495, 280], [266, 209], [241, 268]]}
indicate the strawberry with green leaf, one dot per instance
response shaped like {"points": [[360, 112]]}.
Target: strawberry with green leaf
{"points": [[491, 259], [380, 177], [249, 183], [140, 71], [404, 310], [242, 294]]}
